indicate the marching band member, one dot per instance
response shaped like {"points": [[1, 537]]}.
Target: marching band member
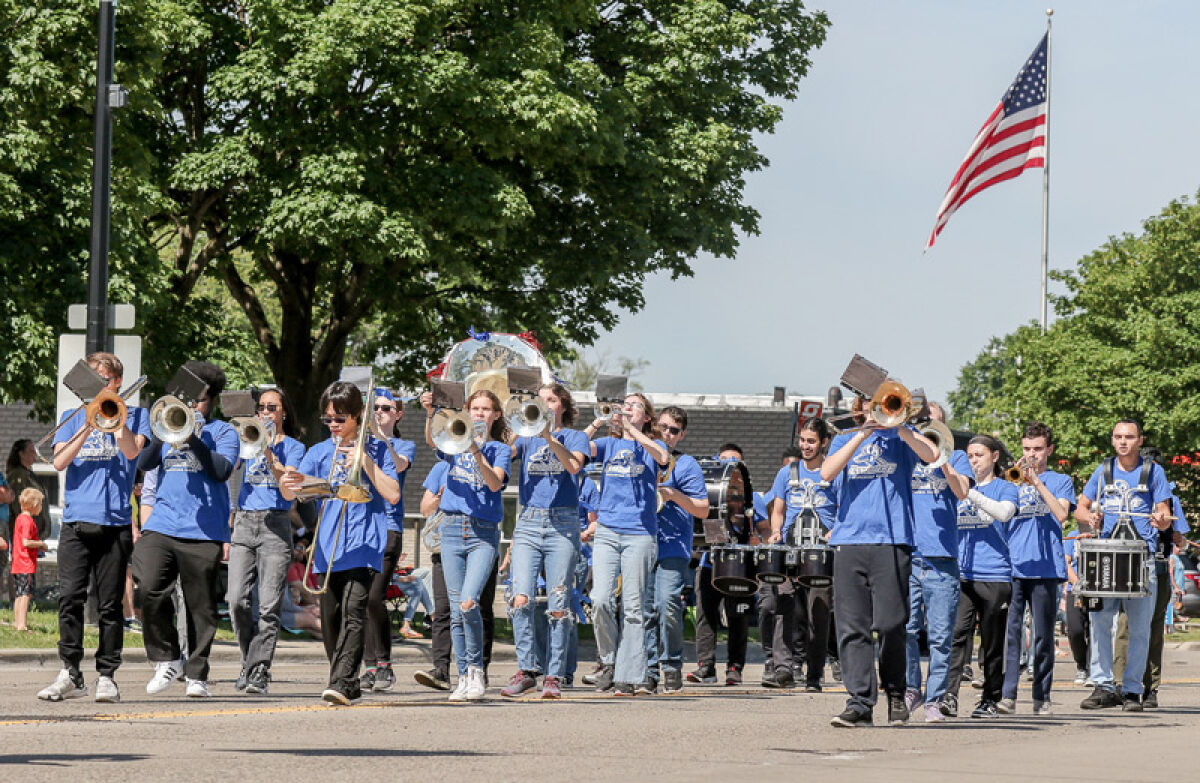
{"points": [[377, 647], [708, 608], [350, 538], [985, 570], [546, 537], [473, 511], [185, 538], [799, 488], [933, 588], [776, 608], [96, 538], [260, 547], [437, 677], [1045, 500], [684, 497], [625, 541], [1131, 484], [873, 538], [1078, 618]]}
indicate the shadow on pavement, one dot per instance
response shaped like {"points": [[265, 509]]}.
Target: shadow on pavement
{"points": [[358, 752], [67, 759]]}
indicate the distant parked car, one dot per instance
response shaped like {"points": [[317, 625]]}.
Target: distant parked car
{"points": [[1191, 587]]}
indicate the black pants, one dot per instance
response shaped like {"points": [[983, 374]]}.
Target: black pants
{"points": [[777, 625], [1041, 596], [708, 622], [814, 635], [378, 645], [1078, 632], [96, 554], [343, 620], [987, 604], [440, 622], [158, 560], [870, 593]]}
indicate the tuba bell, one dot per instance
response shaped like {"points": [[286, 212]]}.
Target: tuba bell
{"points": [[526, 417], [452, 431], [107, 411], [171, 421], [942, 438]]}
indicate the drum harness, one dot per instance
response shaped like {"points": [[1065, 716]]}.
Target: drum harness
{"points": [[808, 532], [1124, 528]]}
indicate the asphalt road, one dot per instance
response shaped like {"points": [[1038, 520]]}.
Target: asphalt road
{"points": [[707, 732]]}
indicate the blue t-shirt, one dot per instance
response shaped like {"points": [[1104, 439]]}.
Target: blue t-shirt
{"points": [[435, 482], [466, 492], [983, 541], [1035, 534], [545, 483], [4, 510], [875, 501], [190, 504], [260, 491], [935, 507], [364, 530], [395, 513], [629, 491], [675, 526], [1157, 491], [589, 500], [100, 479], [810, 491]]}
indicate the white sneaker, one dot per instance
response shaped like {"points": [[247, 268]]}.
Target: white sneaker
{"points": [[460, 690], [335, 698], [63, 687], [476, 688], [107, 691], [1081, 677], [1042, 708], [197, 689], [165, 673]]}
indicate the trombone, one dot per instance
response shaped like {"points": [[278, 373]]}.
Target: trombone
{"points": [[890, 406], [173, 422], [106, 412]]}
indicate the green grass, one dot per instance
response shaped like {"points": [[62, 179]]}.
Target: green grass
{"points": [[43, 631]]}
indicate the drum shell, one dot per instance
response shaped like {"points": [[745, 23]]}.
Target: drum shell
{"points": [[815, 567], [1113, 568], [734, 569], [730, 503], [770, 564]]}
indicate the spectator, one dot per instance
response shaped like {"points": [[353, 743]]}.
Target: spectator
{"points": [[26, 544], [413, 586], [6, 497], [20, 477]]}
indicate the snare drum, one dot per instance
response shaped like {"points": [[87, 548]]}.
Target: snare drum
{"points": [[815, 568], [771, 563], [1112, 568], [734, 569]]}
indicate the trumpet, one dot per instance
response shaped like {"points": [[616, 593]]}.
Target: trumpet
{"points": [[942, 438], [254, 436], [172, 422], [606, 410], [663, 475], [1015, 473], [526, 417]]}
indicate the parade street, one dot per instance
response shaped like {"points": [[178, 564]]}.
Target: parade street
{"points": [[707, 732]]}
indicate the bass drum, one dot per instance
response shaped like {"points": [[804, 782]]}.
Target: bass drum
{"points": [[730, 504]]}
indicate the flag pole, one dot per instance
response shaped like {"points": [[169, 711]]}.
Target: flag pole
{"points": [[1046, 182]]}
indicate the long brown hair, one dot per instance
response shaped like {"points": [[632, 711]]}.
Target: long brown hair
{"points": [[570, 411], [500, 430], [650, 428]]}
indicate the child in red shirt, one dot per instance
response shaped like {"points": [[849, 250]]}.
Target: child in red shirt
{"points": [[25, 552]]}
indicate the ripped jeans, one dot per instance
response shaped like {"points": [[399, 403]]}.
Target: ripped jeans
{"points": [[468, 556], [545, 539]]}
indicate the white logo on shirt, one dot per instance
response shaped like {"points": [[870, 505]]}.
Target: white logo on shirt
{"points": [[624, 464], [869, 463], [181, 459], [805, 495], [1113, 493], [929, 481], [1030, 502], [970, 517], [466, 470], [543, 462], [259, 475], [99, 447]]}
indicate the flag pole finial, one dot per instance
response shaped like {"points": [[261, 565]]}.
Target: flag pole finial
{"points": [[1049, 12]]}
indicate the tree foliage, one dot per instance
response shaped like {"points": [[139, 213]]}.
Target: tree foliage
{"points": [[1126, 344], [397, 170]]}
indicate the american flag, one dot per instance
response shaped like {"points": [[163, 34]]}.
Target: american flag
{"points": [[1013, 139]]}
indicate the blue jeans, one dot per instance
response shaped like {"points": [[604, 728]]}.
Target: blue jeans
{"points": [[630, 557], [417, 596], [933, 589], [544, 539], [468, 554], [664, 624], [582, 569], [1139, 612]]}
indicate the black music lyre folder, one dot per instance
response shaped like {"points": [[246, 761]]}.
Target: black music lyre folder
{"points": [[84, 382], [448, 394], [863, 377], [237, 403], [187, 386], [611, 388]]}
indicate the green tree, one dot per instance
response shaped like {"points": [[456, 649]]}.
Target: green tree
{"points": [[396, 171], [1126, 344]]}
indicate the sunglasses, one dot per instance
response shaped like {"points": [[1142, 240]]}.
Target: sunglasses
{"points": [[388, 408], [269, 407], [327, 420], [671, 429]]}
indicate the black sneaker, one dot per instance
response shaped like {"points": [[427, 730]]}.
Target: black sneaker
{"points": [[623, 689], [385, 678], [1100, 699], [985, 709], [897, 710], [672, 681], [733, 676], [434, 678], [1133, 703], [366, 681], [259, 680], [647, 687], [835, 670], [1150, 700], [784, 678], [812, 687], [768, 678], [604, 680], [705, 673], [240, 685], [852, 718], [949, 705], [590, 677]]}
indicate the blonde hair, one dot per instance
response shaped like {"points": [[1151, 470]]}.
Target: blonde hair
{"points": [[31, 498]]}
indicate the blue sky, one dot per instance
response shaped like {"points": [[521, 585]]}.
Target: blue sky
{"points": [[861, 161]]}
